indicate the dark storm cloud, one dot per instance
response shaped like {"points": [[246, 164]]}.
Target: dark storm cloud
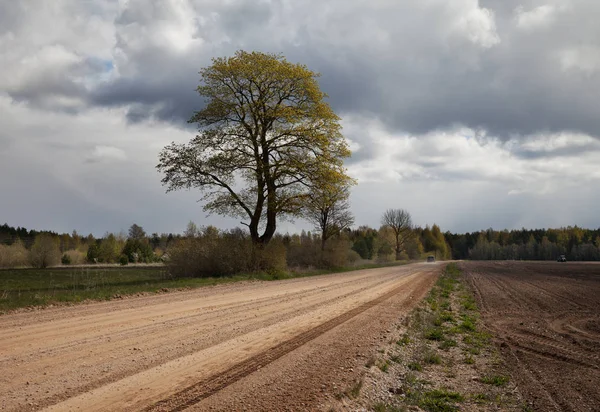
{"points": [[551, 153], [508, 68], [509, 80]]}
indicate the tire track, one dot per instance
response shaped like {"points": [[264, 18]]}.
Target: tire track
{"points": [[213, 384]]}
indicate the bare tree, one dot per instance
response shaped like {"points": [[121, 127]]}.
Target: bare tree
{"points": [[400, 222], [329, 211]]}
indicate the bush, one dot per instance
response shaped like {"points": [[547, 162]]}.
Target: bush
{"points": [[65, 259], [272, 258], [212, 253], [123, 260], [77, 257], [15, 255], [45, 251], [335, 254]]}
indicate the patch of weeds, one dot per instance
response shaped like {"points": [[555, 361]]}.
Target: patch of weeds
{"points": [[469, 360], [446, 317], [468, 303], [434, 334], [480, 398], [432, 358], [440, 400], [411, 378], [447, 344], [404, 340], [468, 324], [526, 408], [395, 358], [496, 380], [384, 366], [474, 350], [415, 366]]}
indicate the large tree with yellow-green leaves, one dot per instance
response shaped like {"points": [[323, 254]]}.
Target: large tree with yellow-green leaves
{"points": [[267, 140]]}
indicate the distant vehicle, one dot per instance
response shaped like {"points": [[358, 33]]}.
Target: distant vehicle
{"points": [[561, 258], [430, 258]]}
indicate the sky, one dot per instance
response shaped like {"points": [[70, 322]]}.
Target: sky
{"points": [[469, 114]]}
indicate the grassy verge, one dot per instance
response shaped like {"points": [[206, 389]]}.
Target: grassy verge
{"points": [[21, 288], [440, 359]]}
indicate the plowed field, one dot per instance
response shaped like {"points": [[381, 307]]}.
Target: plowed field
{"points": [[547, 319], [285, 345]]}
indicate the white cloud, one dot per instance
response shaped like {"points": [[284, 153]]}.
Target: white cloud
{"points": [[584, 58], [106, 153], [479, 26], [535, 18]]}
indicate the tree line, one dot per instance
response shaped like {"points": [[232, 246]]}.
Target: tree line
{"points": [[526, 244], [208, 251]]}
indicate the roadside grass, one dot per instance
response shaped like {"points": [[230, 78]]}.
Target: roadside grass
{"points": [[446, 343], [30, 287]]}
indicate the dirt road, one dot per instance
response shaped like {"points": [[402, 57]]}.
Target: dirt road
{"points": [[283, 345], [547, 318]]}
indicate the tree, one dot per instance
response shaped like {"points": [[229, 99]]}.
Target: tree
{"points": [[191, 230], [265, 124], [401, 224], [136, 232], [328, 209], [45, 251]]}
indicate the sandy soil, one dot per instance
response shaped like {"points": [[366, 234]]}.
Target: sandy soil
{"points": [[547, 319], [284, 345]]}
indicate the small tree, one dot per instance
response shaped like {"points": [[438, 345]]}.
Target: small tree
{"points": [[328, 209], [136, 232], [400, 222], [266, 138], [45, 251]]}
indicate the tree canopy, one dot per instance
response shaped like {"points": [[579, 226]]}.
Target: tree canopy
{"points": [[266, 139]]}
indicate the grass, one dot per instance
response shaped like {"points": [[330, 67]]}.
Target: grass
{"points": [[439, 400], [41, 287], [448, 318], [496, 380], [415, 366]]}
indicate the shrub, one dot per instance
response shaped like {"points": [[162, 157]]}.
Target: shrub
{"points": [[15, 255], [214, 253], [65, 259], [335, 254], [123, 260], [45, 251], [76, 257]]}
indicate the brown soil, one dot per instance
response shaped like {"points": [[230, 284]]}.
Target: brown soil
{"points": [[546, 317], [286, 345]]}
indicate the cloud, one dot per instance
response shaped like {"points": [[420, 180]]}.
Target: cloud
{"points": [[106, 153], [465, 112]]}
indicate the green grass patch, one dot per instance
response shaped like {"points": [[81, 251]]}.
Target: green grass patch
{"points": [[404, 340], [432, 358], [496, 380], [415, 366], [440, 400], [447, 344], [41, 287], [434, 334]]}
